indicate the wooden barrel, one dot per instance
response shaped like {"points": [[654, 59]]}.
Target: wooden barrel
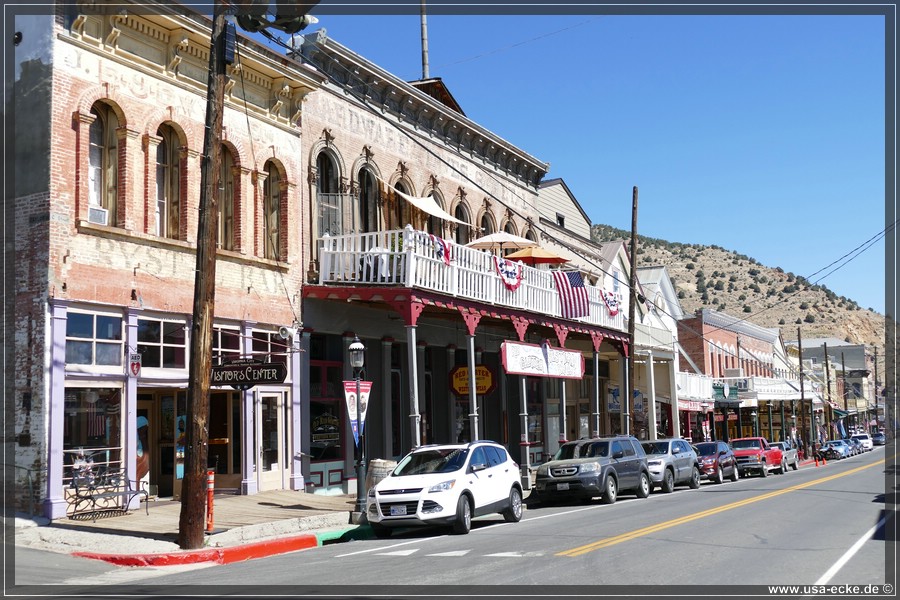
{"points": [[378, 470]]}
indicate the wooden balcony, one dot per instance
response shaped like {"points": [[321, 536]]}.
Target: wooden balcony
{"points": [[414, 259]]}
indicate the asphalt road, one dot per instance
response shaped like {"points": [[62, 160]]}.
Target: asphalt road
{"points": [[808, 527]]}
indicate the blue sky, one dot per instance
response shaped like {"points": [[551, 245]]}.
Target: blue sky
{"points": [[761, 134]]}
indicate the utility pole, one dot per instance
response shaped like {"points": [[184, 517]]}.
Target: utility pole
{"points": [[811, 439], [875, 364], [844, 388], [632, 300], [424, 43], [191, 522]]}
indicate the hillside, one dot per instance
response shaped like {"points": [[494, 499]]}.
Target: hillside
{"points": [[723, 280]]}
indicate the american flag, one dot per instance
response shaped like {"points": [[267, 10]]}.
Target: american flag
{"points": [[573, 297], [96, 421]]}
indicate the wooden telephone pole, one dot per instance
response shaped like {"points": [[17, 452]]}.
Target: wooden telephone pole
{"points": [[192, 521], [632, 300]]}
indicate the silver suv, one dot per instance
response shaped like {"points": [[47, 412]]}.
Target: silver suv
{"points": [[594, 467], [672, 462], [865, 439]]}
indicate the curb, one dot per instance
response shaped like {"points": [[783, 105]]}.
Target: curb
{"points": [[223, 556]]}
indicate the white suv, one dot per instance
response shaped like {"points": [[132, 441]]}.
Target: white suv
{"points": [[446, 485], [865, 439]]}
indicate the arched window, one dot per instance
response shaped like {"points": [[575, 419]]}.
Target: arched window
{"points": [[368, 201], [328, 197], [168, 183], [272, 212], [462, 236], [487, 224], [401, 207], [529, 235], [226, 201], [103, 164], [435, 225]]}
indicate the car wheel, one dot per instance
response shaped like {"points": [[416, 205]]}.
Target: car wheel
{"points": [[381, 531], [783, 469], [719, 477], [463, 522], [735, 473], [643, 489], [610, 489], [513, 513], [795, 465], [694, 483], [668, 482], [765, 470]]}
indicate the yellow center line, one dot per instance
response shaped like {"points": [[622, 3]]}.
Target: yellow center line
{"points": [[630, 535]]}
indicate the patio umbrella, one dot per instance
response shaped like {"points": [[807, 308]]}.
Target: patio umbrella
{"points": [[500, 240], [535, 255]]}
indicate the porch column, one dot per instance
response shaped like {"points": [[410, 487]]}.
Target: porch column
{"points": [[525, 455], [676, 424], [473, 398], [651, 389], [769, 412], [129, 407], [562, 412], [305, 433], [784, 430], [387, 395], [414, 416], [624, 426], [595, 415], [298, 421]]}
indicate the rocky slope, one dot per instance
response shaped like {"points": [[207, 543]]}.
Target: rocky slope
{"points": [[719, 279]]}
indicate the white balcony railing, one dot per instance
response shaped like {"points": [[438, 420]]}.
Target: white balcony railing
{"points": [[692, 386], [413, 259]]}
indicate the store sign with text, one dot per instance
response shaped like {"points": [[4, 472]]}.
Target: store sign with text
{"points": [[541, 361]]}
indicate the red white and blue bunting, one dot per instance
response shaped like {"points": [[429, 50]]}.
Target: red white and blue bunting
{"points": [[510, 272], [612, 302]]}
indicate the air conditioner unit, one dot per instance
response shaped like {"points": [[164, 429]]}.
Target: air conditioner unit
{"points": [[97, 215], [734, 372]]}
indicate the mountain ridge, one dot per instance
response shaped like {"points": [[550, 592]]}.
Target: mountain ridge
{"points": [[738, 285]]}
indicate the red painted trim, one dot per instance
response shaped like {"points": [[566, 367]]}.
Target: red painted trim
{"points": [[220, 556]]}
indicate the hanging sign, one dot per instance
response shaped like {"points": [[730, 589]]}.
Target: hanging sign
{"points": [[357, 424], [541, 361], [459, 380], [244, 373]]}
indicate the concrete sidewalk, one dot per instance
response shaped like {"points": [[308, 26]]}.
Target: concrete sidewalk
{"points": [[244, 527]]}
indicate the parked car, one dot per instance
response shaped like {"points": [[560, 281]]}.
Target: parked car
{"points": [[595, 467], [672, 462], [879, 439], [789, 452], [757, 455], [836, 449], [447, 485], [717, 461], [865, 439], [854, 445]]}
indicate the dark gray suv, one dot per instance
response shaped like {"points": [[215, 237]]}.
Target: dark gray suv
{"points": [[593, 467]]}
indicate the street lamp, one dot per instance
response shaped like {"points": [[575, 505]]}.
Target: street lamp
{"points": [[754, 415], [357, 361]]}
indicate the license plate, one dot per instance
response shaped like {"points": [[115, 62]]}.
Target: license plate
{"points": [[562, 486], [398, 511]]}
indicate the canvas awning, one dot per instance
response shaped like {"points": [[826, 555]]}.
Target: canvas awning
{"points": [[429, 205]]}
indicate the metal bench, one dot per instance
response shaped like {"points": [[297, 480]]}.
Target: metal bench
{"points": [[105, 492]]}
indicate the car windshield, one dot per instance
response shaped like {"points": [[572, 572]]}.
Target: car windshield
{"points": [[567, 451], [438, 460], [596, 449], [656, 447], [706, 449], [743, 444]]}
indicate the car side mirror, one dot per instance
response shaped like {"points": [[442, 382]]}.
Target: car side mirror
{"points": [[478, 467], [722, 453], [618, 454]]}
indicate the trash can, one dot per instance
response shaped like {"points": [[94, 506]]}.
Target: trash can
{"points": [[378, 470]]}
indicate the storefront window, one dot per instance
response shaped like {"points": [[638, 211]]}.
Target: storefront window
{"points": [[92, 428], [325, 411], [226, 345]]}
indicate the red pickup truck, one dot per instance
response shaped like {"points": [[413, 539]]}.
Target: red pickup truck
{"points": [[756, 454]]}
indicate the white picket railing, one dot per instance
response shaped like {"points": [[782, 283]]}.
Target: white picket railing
{"points": [[411, 258]]}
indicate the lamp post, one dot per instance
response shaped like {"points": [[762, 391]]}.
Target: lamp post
{"points": [[357, 361], [754, 415]]}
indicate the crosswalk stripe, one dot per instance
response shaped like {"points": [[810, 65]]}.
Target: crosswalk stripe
{"points": [[398, 552], [454, 553]]}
